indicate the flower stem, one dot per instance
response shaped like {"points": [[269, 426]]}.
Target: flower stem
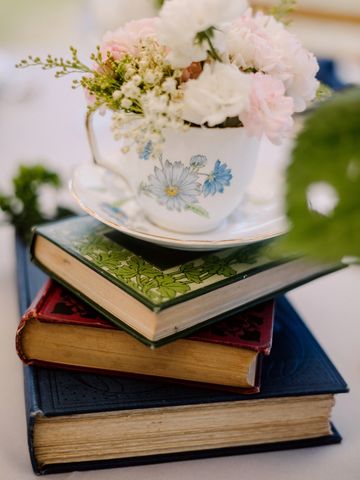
{"points": [[212, 50], [207, 35]]}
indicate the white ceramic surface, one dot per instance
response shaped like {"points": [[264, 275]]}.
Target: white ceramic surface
{"points": [[107, 197], [196, 183]]}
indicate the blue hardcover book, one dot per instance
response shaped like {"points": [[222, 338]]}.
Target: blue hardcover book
{"points": [[81, 421]]}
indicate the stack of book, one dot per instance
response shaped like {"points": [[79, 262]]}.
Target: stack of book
{"points": [[140, 354]]}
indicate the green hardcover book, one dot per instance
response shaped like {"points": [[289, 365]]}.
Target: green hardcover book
{"points": [[156, 293]]}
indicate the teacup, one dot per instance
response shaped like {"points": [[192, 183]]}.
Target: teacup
{"points": [[198, 180]]}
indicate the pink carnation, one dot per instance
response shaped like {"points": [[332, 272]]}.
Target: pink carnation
{"points": [[250, 46], [298, 66], [125, 40], [270, 111]]}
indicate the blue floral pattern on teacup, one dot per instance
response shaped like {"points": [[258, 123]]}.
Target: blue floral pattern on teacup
{"points": [[219, 178], [198, 161], [147, 151], [179, 187]]}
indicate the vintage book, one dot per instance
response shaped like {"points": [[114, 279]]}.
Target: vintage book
{"points": [[59, 329], [159, 294], [82, 421]]}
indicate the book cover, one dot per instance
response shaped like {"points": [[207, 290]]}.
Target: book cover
{"points": [[298, 366], [60, 330], [158, 277], [157, 284]]}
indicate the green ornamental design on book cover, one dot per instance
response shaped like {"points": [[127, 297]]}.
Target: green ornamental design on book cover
{"points": [[87, 238]]}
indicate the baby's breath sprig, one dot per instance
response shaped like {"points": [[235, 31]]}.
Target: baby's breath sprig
{"points": [[63, 67], [150, 88], [141, 90], [100, 80]]}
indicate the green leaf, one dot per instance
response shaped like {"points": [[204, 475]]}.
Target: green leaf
{"points": [[127, 272], [250, 254], [158, 3], [214, 265], [323, 92], [191, 272], [282, 10], [198, 210], [226, 271], [169, 287], [22, 208], [149, 285], [137, 266], [325, 169]]}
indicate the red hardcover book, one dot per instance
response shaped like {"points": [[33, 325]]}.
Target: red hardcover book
{"points": [[60, 330]]}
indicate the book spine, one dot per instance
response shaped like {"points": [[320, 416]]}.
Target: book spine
{"points": [[31, 392], [33, 410], [21, 273], [266, 350], [31, 313]]}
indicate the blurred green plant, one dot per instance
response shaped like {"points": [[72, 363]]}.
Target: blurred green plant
{"points": [[159, 3], [282, 10], [323, 181], [22, 208]]}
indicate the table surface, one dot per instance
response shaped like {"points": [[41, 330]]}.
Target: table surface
{"points": [[42, 119]]}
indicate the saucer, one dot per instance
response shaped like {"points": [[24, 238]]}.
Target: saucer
{"points": [[107, 197]]}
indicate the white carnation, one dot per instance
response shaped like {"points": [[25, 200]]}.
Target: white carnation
{"points": [[181, 20], [222, 91]]}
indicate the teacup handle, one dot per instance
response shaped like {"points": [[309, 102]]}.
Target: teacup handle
{"points": [[92, 138], [98, 159]]}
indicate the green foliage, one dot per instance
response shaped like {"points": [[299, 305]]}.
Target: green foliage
{"points": [[207, 36], [214, 265], [103, 81], [100, 82], [326, 157], [282, 10], [197, 210], [169, 287], [159, 3], [64, 67], [22, 207], [136, 266], [323, 92], [150, 281], [191, 273]]}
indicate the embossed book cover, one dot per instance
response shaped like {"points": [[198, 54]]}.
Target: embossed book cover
{"points": [[156, 293], [117, 421], [59, 329]]}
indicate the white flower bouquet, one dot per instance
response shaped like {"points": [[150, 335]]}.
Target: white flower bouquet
{"points": [[179, 86], [205, 63]]}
